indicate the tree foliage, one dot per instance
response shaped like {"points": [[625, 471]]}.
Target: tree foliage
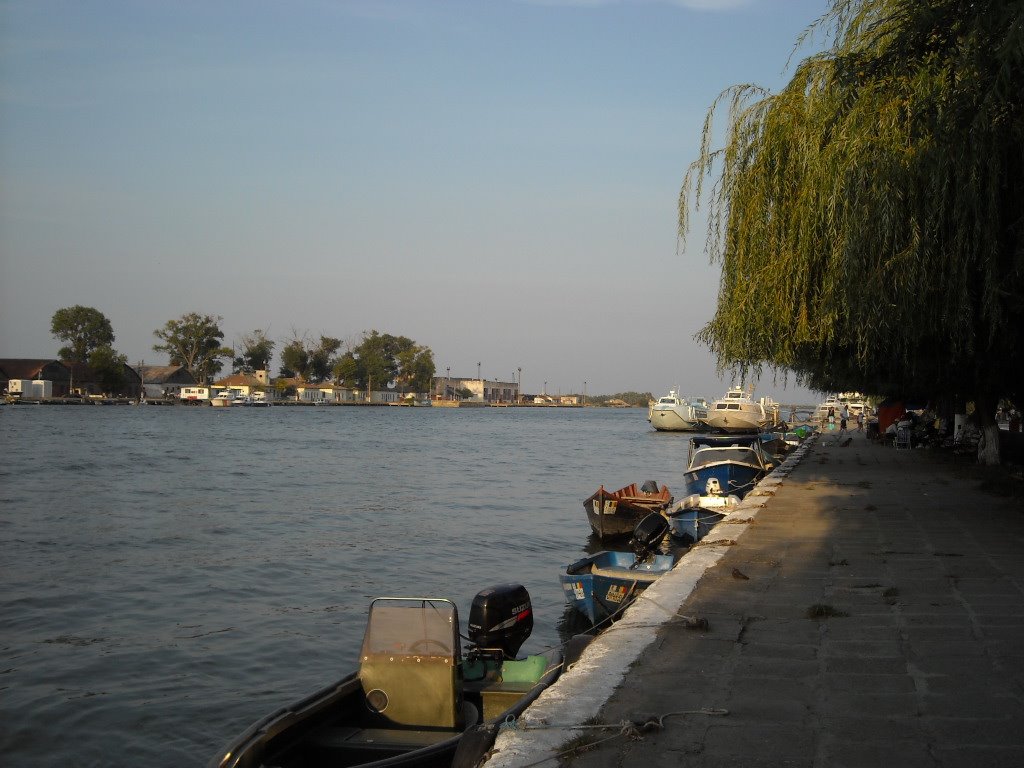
{"points": [[380, 360], [253, 352], [868, 216], [109, 367], [310, 362], [83, 329], [194, 341]]}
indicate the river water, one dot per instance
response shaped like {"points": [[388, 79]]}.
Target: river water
{"points": [[172, 574]]}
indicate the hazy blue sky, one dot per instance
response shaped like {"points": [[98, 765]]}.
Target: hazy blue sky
{"points": [[496, 179]]}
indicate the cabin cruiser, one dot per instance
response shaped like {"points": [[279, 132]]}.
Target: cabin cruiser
{"points": [[224, 399], [736, 411], [725, 465], [676, 413]]}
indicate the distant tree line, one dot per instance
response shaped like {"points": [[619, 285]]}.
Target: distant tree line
{"points": [[196, 342], [636, 399]]}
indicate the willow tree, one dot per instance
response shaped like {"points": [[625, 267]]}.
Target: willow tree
{"points": [[868, 216]]}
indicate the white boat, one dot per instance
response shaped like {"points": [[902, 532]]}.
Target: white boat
{"points": [[676, 413], [737, 411], [224, 399]]}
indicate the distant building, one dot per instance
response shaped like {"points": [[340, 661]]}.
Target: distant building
{"points": [[485, 390], [164, 380], [37, 370], [247, 384]]}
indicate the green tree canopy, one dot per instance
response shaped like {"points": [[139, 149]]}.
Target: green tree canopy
{"points": [[868, 216], [109, 367], [253, 352], [194, 341], [381, 359], [311, 362], [83, 329]]}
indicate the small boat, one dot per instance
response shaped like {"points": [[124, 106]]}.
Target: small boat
{"points": [[224, 399], [602, 585], [415, 695], [737, 412], [693, 518], [617, 513], [676, 413], [725, 465]]}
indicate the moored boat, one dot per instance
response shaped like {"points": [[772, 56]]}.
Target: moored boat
{"points": [[676, 413], [737, 412], [617, 513], [602, 585], [224, 399], [693, 518], [415, 695], [725, 465]]}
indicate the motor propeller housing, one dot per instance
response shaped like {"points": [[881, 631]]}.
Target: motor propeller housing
{"points": [[648, 534], [501, 618]]}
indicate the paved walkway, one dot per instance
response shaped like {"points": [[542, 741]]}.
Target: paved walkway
{"points": [[915, 656]]}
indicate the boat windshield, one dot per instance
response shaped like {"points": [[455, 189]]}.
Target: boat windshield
{"points": [[708, 456], [411, 627]]}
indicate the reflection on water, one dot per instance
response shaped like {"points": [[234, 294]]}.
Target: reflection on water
{"points": [[171, 574]]}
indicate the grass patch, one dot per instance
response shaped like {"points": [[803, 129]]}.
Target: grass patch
{"points": [[825, 611]]}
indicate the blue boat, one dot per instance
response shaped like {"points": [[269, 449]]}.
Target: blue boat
{"points": [[724, 466], [602, 585], [693, 518]]}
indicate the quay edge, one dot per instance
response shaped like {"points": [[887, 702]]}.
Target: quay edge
{"points": [[542, 732]]}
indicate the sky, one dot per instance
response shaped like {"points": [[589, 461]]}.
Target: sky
{"points": [[495, 179]]}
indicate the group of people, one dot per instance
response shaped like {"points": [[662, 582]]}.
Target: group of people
{"points": [[844, 418]]}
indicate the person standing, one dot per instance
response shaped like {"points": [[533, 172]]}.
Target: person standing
{"points": [[860, 421]]}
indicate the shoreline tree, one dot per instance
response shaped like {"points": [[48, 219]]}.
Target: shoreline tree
{"points": [[194, 341], [83, 329], [868, 216]]}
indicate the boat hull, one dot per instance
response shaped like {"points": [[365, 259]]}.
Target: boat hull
{"points": [[734, 422], [603, 584], [324, 729], [613, 514], [692, 525], [735, 479], [670, 420]]}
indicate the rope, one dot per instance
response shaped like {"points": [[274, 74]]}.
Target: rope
{"points": [[634, 729]]}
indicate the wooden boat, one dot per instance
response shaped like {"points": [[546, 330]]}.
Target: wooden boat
{"points": [[602, 585], [617, 513], [414, 696]]}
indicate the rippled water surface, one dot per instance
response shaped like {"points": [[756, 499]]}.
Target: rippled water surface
{"points": [[171, 574]]}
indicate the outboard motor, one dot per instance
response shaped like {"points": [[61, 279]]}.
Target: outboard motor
{"points": [[713, 487], [647, 535], [650, 486], [500, 619]]}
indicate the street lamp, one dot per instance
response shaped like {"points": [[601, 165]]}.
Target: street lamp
{"points": [[519, 385], [447, 382], [584, 392]]}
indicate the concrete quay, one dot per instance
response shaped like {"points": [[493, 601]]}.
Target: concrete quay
{"points": [[865, 608]]}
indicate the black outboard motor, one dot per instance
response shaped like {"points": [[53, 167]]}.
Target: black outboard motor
{"points": [[649, 486], [500, 619], [647, 535]]}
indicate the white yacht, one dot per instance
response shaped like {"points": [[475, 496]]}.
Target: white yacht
{"points": [[736, 411], [676, 413], [224, 399]]}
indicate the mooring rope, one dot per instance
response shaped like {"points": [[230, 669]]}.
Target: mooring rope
{"points": [[629, 729]]}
